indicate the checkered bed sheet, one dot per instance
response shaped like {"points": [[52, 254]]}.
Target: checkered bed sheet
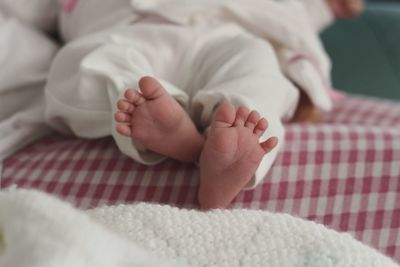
{"points": [[344, 173]]}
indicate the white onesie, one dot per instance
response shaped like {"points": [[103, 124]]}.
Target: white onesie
{"points": [[203, 52]]}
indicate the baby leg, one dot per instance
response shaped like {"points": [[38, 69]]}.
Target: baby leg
{"points": [[232, 154], [243, 71], [86, 93], [154, 119]]}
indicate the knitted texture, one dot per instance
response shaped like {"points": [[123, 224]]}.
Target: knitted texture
{"points": [[51, 233], [37, 230], [236, 237]]}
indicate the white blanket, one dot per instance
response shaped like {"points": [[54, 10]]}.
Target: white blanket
{"points": [[25, 57], [49, 232], [40, 14]]}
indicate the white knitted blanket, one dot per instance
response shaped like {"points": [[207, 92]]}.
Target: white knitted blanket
{"points": [[39, 230]]}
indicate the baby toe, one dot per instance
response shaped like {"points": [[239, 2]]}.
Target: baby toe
{"points": [[241, 116], [260, 127], [224, 116], [133, 97], [122, 117], [269, 144], [124, 129], [125, 106], [252, 120]]}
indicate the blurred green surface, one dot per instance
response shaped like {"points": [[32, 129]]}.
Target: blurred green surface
{"points": [[365, 51]]}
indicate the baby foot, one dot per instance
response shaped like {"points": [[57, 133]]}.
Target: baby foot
{"points": [[346, 8], [231, 154], [154, 119]]}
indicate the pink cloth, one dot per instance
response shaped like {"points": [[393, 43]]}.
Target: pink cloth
{"points": [[69, 5], [344, 173]]}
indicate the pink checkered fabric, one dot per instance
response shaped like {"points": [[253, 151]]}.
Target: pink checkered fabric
{"points": [[344, 173]]}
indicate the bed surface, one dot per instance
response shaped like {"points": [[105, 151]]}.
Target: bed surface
{"points": [[344, 173]]}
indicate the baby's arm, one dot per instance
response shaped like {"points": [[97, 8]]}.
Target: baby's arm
{"points": [[346, 8], [323, 12]]}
